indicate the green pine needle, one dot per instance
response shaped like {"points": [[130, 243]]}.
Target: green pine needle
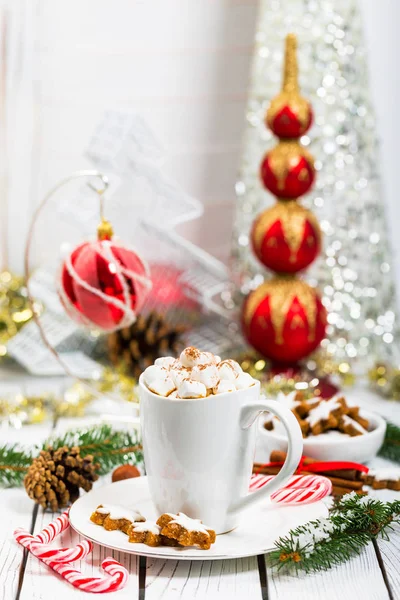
{"points": [[391, 444], [353, 523], [14, 463], [110, 448]]}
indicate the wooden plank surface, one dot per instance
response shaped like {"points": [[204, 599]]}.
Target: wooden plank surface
{"points": [[360, 577], [203, 580], [41, 583], [16, 511], [389, 550], [219, 580]]}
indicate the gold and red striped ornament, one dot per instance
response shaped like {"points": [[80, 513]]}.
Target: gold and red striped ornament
{"points": [[284, 319], [286, 238]]}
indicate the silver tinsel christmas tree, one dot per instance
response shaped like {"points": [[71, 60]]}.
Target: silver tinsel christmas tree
{"points": [[354, 271]]}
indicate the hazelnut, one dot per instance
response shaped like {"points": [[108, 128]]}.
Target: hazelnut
{"points": [[125, 472]]}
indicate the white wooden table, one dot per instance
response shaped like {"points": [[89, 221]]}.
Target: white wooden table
{"points": [[374, 575]]}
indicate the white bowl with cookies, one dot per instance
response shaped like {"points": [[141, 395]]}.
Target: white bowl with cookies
{"points": [[332, 430]]}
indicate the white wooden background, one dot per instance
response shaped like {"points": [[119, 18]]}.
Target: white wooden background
{"points": [[182, 64], [373, 575]]}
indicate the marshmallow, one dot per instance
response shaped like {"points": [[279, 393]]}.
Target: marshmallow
{"points": [[233, 364], [190, 357], [179, 375], [163, 386], [153, 373], [224, 386], [194, 375], [192, 389], [206, 374], [165, 361], [244, 380], [208, 358], [226, 371]]}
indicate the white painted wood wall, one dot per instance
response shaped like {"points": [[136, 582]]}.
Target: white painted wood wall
{"points": [[182, 64]]}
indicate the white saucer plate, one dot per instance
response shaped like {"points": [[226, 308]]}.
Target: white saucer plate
{"points": [[256, 533]]}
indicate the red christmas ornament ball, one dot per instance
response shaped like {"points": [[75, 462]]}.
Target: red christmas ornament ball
{"points": [[286, 238], [287, 171], [284, 319], [286, 121], [289, 116], [103, 284]]}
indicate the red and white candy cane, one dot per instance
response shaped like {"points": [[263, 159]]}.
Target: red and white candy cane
{"points": [[45, 551], [301, 489], [61, 555], [59, 559], [53, 529], [115, 579]]}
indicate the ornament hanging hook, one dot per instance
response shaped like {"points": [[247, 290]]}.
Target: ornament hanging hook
{"points": [[105, 181], [27, 259], [104, 230]]}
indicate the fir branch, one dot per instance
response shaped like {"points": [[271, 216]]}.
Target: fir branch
{"points": [[391, 445], [14, 463], [318, 545], [108, 446]]}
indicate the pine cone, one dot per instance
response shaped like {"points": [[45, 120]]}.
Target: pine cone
{"points": [[55, 476], [136, 347]]}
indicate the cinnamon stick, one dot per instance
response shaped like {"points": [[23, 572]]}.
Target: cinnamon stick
{"points": [[341, 482], [351, 474], [339, 491]]}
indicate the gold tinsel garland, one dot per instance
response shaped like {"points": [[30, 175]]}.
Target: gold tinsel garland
{"points": [[385, 379], [306, 379], [15, 308], [25, 410]]}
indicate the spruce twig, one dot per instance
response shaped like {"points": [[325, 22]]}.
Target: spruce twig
{"points": [[108, 446], [391, 444], [318, 545], [14, 463]]}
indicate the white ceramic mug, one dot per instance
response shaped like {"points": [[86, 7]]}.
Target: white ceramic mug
{"points": [[199, 453]]}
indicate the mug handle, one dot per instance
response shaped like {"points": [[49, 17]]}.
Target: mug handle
{"points": [[295, 449]]}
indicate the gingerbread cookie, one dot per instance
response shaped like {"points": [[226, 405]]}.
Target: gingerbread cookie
{"points": [[316, 416], [354, 413], [350, 426], [380, 479], [114, 517], [269, 423], [186, 531], [304, 425], [303, 407], [326, 415], [148, 533], [293, 402]]}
